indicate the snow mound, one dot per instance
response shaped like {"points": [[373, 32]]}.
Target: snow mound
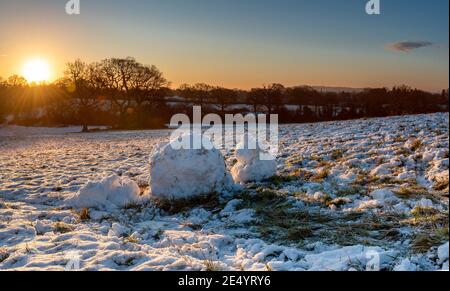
{"points": [[110, 193], [405, 266], [250, 167], [443, 253], [369, 258], [384, 195], [182, 173]]}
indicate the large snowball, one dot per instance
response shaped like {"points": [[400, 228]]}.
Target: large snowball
{"points": [[110, 193], [186, 173], [250, 167]]}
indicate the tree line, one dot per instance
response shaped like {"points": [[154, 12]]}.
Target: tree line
{"points": [[125, 94]]}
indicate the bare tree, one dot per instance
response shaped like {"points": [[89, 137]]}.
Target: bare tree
{"points": [[16, 81], [223, 97], [199, 94], [254, 98], [80, 82], [130, 84], [146, 84]]}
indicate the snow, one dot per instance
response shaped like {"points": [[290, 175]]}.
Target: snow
{"points": [[110, 193], [342, 259], [243, 216], [42, 171], [405, 266], [443, 253], [183, 173], [16, 131], [250, 166], [383, 195], [118, 230]]}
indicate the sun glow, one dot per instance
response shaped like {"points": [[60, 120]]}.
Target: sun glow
{"points": [[36, 71]]}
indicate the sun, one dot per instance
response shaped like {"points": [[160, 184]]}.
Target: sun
{"points": [[36, 71]]}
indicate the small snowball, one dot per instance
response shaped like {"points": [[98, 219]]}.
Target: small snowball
{"points": [[250, 167]]}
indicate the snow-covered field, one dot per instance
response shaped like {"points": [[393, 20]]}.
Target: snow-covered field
{"points": [[354, 195]]}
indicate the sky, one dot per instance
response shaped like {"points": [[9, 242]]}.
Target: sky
{"points": [[239, 43]]}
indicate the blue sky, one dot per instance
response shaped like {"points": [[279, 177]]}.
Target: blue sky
{"points": [[239, 43]]}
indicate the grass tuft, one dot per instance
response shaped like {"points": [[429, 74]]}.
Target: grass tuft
{"points": [[416, 144], [441, 184], [62, 227], [212, 266], [175, 206], [321, 175], [3, 255], [84, 214], [423, 242]]}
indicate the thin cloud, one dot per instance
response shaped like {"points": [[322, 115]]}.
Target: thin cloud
{"points": [[408, 46]]}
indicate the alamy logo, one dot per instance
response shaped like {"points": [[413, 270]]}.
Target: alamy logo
{"points": [[373, 7], [252, 132], [73, 7]]}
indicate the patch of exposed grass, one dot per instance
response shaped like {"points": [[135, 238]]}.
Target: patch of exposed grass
{"points": [[419, 212], [268, 267], [428, 217], [350, 190], [441, 184], [423, 242], [324, 164], [3, 255], [337, 154], [173, 206], [338, 202], [403, 152], [158, 234], [84, 214], [126, 262], [62, 227], [365, 179], [143, 189], [416, 145], [321, 175], [299, 233], [407, 192], [399, 139], [131, 239], [192, 226], [434, 226], [278, 180], [361, 228], [212, 266], [302, 174], [276, 219]]}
